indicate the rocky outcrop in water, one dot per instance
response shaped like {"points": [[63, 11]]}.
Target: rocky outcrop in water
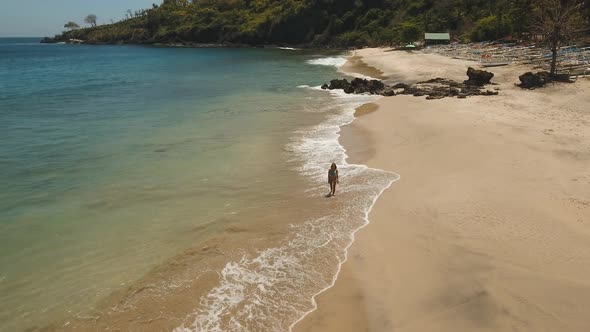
{"points": [[49, 40], [435, 88], [357, 85]]}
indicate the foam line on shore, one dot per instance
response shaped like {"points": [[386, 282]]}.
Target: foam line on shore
{"points": [[336, 94], [367, 211], [352, 239]]}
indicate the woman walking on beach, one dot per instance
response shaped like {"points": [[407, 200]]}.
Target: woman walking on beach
{"points": [[333, 179]]}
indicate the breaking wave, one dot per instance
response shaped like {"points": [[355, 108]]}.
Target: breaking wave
{"points": [[330, 61]]}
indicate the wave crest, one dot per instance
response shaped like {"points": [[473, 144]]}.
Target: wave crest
{"points": [[330, 61]]}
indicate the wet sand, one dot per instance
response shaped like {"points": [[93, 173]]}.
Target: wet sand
{"points": [[366, 109], [356, 65], [488, 228]]}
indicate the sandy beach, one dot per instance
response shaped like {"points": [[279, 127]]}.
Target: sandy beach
{"points": [[488, 228]]}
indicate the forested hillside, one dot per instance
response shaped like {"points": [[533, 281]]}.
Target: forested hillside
{"points": [[338, 23]]}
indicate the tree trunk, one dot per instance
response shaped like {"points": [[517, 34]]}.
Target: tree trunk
{"points": [[553, 60], [554, 45]]}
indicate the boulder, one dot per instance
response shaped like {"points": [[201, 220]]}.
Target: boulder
{"points": [[388, 93], [478, 77], [359, 85], [489, 93], [375, 86], [401, 86], [367, 86], [563, 78], [529, 80], [339, 84]]}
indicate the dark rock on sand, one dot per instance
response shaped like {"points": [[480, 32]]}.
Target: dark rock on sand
{"points": [[388, 93], [357, 85], [562, 78], [435, 88], [440, 80], [478, 77], [339, 84], [371, 86], [401, 86], [529, 80]]}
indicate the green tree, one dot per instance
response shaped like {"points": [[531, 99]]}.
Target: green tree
{"points": [[409, 32], [334, 23], [490, 28], [71, 25], [91, 19], [353, 39]]}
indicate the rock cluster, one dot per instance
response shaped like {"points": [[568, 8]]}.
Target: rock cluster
{"points": [[438, 88], [435, 88], [357, 85], [531, 80]]}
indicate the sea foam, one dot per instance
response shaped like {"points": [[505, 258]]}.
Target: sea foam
{"points": [[330, 61]]}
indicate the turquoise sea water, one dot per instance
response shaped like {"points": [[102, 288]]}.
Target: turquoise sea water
{"points": [[110, 157]]}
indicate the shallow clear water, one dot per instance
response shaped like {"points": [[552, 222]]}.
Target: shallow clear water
{"points": [[114, 159]]}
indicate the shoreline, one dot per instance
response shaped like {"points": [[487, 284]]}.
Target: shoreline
{"points": [[364, 108], [372, 293], [355, 67], [72, 41], [210, 253], [346, 249]]}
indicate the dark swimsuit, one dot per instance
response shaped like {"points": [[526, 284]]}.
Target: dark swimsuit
{"points": [[332, 175]]}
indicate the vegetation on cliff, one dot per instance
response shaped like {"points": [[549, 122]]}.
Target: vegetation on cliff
{"points": [[338, 23]]}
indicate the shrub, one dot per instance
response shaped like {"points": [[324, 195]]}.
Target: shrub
{"points": [[353, 39], [410, 32], [387, 36]]}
